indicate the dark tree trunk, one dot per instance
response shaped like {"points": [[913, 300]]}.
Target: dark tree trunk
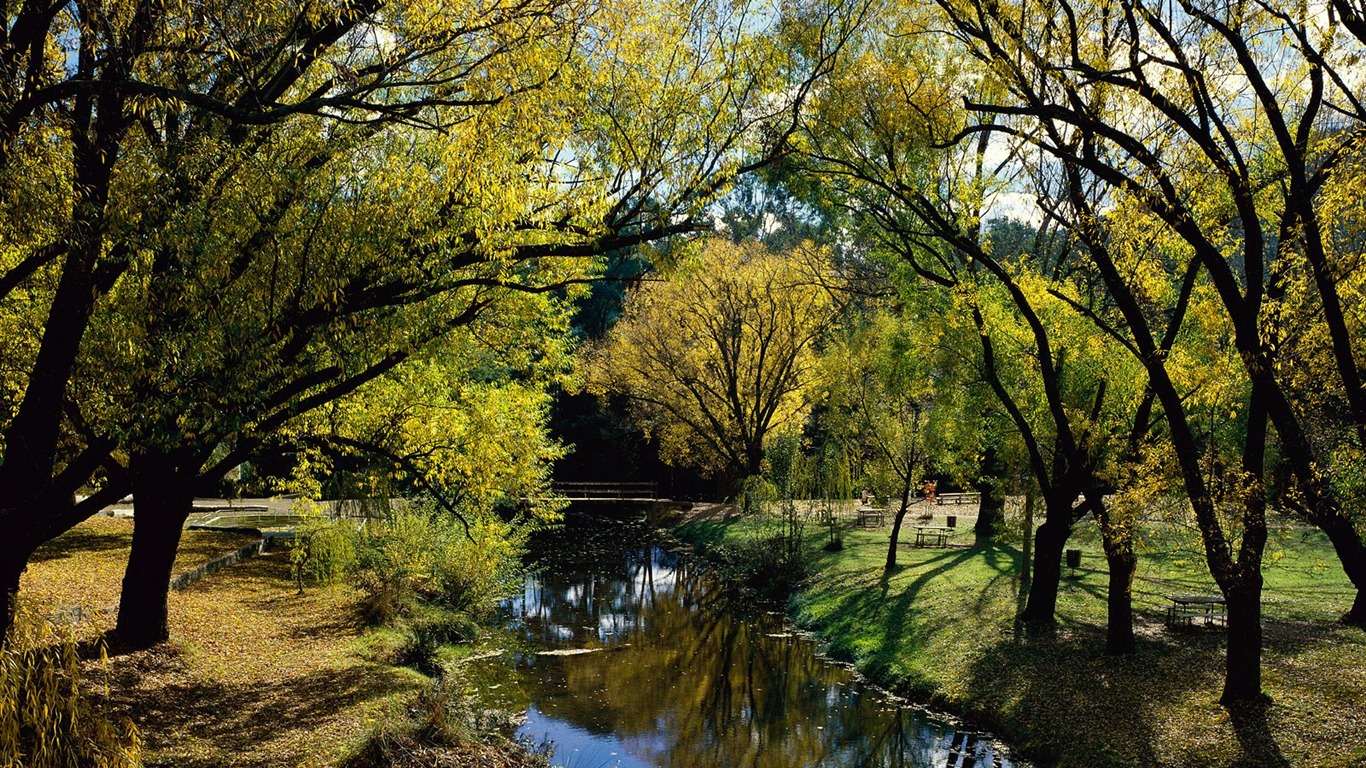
{"points": [[1351, 554], [163, 494], [1049, 541], [1243, 673], [896, 523], [1119, 630], [11, 568], [991, 487], [1357, 616], [1027, 542]]}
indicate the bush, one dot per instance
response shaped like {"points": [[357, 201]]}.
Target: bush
{"points": [[416, 553], [764, 564], [420, 650], [46, 720], [426, 636], [442, 726], [325, 550]]}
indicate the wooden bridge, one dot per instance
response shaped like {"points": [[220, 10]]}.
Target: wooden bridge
{"points": [[629, 492]]}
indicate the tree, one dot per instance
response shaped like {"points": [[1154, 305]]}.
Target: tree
{"points": [[877, 142], [77, 81], [882, 398], [1228, 128], [521, 140], [721, 354]]}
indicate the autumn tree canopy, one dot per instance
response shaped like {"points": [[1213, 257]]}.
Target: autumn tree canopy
{"points": [[719, 355], [219, 218]]}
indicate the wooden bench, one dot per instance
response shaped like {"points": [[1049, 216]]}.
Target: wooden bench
{"points": [[958, 498]]}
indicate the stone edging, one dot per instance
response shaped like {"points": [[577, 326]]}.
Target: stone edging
{"points": [[183, 580]]}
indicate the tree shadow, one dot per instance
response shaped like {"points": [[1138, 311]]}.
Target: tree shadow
{"points": [[247, 719], [1076, 706], [79, 541], [1257, 745]]}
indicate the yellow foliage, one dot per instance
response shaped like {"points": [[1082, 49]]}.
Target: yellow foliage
{"points": [[720, 354], [46, 719]]}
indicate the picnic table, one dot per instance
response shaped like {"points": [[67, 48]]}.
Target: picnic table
{"points": [[871, 516], [1185, 609], [932, 535], [957, 498]]}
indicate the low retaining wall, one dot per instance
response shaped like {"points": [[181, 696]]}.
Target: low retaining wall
{"points": [[183, 580]]}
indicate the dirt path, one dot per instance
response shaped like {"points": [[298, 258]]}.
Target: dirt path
{"points": [[256, 675]]}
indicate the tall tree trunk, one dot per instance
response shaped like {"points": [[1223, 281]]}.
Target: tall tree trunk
{"points": [[1352, 555], [1120, 557], [1243, 670], [990, 486], [163, 495], [1049, 541], [900, 515], [12, 564], [1243, 587]]}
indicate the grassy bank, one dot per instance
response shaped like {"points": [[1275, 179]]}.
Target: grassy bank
{"points": [[256, 674], [941, 627]]}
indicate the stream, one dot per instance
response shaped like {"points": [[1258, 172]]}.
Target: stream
{"points": [[632, 656]]}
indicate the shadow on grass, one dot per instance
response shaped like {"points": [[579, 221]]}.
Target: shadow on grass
{"points": [[1257, 745], [79, 541], [878, 616], [245, 720], [1064, 702]]}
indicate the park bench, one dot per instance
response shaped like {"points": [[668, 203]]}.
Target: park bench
{"points": [[1186, 609], [958, 498]]}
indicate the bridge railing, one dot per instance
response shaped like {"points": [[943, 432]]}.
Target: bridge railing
{"points": [[607, 490]]}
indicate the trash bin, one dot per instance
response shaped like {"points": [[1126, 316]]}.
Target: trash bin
{"points": [[951, 521], [1074, 558]]}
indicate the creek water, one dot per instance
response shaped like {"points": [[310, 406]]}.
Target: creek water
{"points": [[632, 656]]}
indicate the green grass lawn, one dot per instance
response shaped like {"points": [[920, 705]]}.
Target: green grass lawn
{"points": [[942, 627]]}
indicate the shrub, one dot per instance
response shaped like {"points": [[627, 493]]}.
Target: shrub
{"points": [[396, 556], [420, 650], [442, 726], [418, 553], [763, 564], [325, 550], [46, 720]]}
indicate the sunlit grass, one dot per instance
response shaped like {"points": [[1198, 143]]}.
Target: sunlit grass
{"points": [[255, 673], [942, 627]]}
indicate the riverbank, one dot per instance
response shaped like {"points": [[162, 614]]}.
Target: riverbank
{"points": [[256, 674], [941, 629]]}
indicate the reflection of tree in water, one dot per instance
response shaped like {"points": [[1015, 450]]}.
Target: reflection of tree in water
{"points": [[692, 677]]}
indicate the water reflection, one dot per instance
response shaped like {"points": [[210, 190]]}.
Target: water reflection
{"points": [[674, 671]]}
